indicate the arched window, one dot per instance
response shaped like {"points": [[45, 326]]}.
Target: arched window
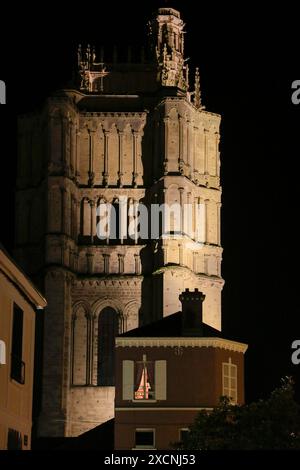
{"points": [[108, 328]]}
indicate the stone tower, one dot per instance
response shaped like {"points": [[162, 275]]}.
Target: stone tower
{"points": [[131, 130]]}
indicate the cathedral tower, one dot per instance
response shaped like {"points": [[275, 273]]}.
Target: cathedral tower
{"points": [[131, 131]]}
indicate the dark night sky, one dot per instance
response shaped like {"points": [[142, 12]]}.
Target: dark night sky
{"points": [[248, 60]]}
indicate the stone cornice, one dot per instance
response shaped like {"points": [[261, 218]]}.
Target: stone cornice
{"points": [[201, 276], [185, 342], [126, 114]]}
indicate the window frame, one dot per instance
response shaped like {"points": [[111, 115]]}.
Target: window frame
{"points": [[145, 362], [17, 365], [128, 381], [230, 377], [180, 430], [142, 446]]}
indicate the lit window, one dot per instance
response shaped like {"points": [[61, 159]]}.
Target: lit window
{"points": [[144, 380], [144, 388], [230, 381], [144, 438]]}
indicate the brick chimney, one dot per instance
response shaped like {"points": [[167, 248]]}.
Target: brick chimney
{"points": [[192, 323]]}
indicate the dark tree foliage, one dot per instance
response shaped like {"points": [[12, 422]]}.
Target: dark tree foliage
{"points": [[273, 423]]}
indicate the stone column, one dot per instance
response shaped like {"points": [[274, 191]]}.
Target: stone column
{"points": [[120, 172], [91, 180], [106, 257], [219, 205], [137, 264], [195, 219], [68, 208], [217, 155], [195, 169], [135, 135], [180, 248], [92, 351], [166, 145], [121, 263], [188, 147], [86, 218], [206, 202], [105, 173], [63, 142], [88, 348], [188, 215], [63, 209], [72, 149], [71, 216], [77, 154], [182, 218], [78, 207], [181, 160], [93, 218], [206, 134]]}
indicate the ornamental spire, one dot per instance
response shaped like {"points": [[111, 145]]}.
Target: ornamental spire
{"points": [[166, 30], [197, 93], [91, 72]]}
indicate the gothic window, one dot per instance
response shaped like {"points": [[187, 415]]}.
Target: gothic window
{"points": [[108, 328]]}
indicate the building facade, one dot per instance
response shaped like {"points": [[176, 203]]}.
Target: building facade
{"points": [[19, 301], [167, 372], [132, 131]]}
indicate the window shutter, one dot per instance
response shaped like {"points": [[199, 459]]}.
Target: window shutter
{"points": [[128, 367], [161, 380], [2, 352]]}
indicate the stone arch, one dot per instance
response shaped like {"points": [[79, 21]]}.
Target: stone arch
{"points": [[131, 315], [108, 322], [100, 304]]}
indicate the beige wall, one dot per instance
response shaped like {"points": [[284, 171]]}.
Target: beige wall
{"points": [[15, 398]]}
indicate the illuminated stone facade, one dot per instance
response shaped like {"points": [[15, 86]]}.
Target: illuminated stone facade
{"points": [[130, 129]]}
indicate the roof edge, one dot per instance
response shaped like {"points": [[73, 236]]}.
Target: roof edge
{"points": [[182, 342], [10, 269]]}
